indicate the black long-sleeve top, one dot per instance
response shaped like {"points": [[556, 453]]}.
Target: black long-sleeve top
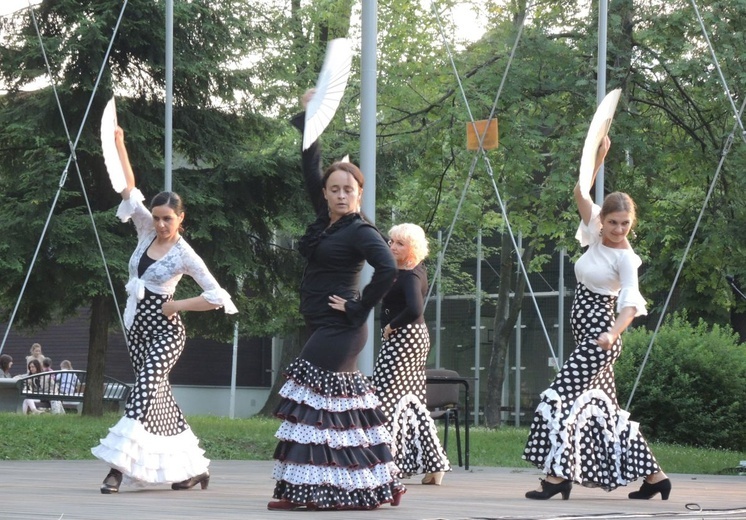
{"points": [[405, 301], [336, 254]]}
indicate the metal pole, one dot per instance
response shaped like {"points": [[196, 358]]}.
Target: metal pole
{"points": [[561, 310], [477, 327], [169, 94], [232, 409], [438, 301], [601, 84], [518, 346], [368, 80]]}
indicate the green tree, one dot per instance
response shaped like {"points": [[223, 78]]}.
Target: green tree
{"points": [[236, 196]]}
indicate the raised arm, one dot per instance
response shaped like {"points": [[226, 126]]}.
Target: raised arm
{"points": [[584, 201], [311, 160], [125, 160]]}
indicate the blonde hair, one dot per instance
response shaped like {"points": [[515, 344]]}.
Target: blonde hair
{"points": [[66, 365], [414, 236]]}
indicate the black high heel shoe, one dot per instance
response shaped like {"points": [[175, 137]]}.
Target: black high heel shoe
{"points": [[112, 482], [203, 480], [548, 490], [650, 490]]}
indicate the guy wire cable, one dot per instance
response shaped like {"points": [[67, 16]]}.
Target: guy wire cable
{"points": [[63, 177], [715, 62], [723, 155], [489, 169]]}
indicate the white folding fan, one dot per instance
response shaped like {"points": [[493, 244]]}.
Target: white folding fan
{"points": [[108, 144], [596, 132], [330, 87]]}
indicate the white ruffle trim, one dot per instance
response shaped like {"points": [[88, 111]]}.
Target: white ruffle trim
{"points": [[220, 297], [127, 207], [304, 434], [409, 414], [344, 478], [581, 414], [589, 233], [304, 394], [631, 297], [145, 458]]}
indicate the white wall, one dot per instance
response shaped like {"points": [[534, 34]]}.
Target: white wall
{"points": [[215, 400]]}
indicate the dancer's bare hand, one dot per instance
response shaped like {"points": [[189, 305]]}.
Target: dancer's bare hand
{"points": [[307, 97], [606, 340], [387, 331], [603, 149], [119, 135], [169, 309], [337, 302]]}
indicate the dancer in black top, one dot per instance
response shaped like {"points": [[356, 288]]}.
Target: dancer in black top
{"points": [[334, 447], [399, 374]]}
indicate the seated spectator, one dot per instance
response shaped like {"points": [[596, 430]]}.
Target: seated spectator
{"points": [[29, 405], [5, 363], [50, 386], [69, 383], [35, 353], [44, 385]]}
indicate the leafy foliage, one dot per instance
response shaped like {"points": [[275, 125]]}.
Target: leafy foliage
{"points": [[691, 391]]}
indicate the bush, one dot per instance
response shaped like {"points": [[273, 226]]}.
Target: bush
{"points": [[693, 388]]}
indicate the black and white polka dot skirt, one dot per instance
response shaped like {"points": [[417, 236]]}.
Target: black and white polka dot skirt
{"points": [[399, 377], [153, 443], [579, 432], [333, 450]]}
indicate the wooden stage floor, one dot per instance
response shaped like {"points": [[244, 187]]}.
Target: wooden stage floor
{"points": [[62, 490]]}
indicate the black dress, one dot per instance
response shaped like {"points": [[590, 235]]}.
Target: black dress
{"points": [[334, 447], [399, 376]]}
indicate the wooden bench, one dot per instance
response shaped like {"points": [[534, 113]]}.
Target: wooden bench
{"points": [[68, 386]]}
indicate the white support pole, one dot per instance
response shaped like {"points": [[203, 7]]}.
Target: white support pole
{"points": [[561, 310], [603, 12], [439, 301], [234, 365], [518, 348], [477, 327], [168, 132], [368, 80]]}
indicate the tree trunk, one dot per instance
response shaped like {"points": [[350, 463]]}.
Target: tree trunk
{"points": [[506, 316], [98, 341]]}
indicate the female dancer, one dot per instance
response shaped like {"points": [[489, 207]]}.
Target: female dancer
{"points": [[579, 432], [334, 448], [152, 443], [399, 373]]}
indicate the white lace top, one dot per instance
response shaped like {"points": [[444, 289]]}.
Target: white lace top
{"points": [[163, 275], [607, 270]]}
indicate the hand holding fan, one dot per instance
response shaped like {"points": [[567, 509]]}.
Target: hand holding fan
{"points": [[330, 87], [111, 155], [598, 130]]}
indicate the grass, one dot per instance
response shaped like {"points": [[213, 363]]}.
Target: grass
{"points": [[70, 437]]}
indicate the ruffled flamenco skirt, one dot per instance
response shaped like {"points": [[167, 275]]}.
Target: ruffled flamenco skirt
{"points": [[333, 451], [399, 377], [148, 459], [579, 432]]}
